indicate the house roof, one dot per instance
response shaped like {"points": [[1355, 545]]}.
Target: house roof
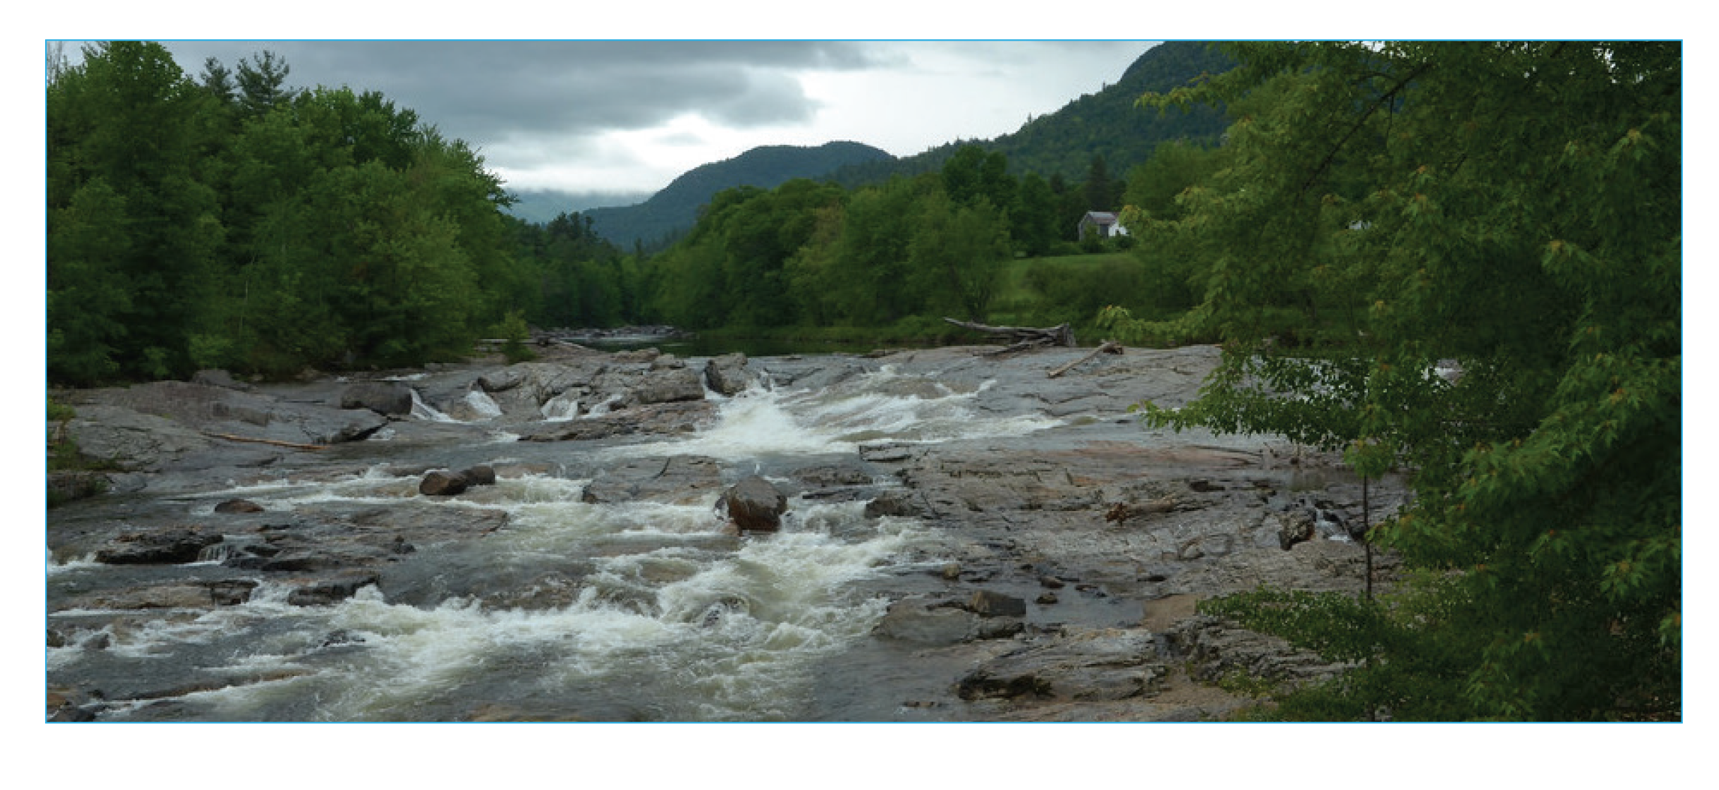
{"points": [[1101, 217]]}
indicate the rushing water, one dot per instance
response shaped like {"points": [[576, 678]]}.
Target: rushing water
{"points": [[634, 611]]}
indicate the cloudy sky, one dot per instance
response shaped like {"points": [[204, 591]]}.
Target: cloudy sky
{"points": [[629, 116]]}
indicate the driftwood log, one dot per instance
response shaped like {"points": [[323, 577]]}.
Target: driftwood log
{"points": [[1023, 337], [1107, 347]]}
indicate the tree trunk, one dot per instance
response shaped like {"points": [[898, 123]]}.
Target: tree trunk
{"points": [[1108, 347], [1023, 337]]}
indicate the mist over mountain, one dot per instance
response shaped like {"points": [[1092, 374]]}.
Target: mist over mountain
{"points": [[542, 205]]}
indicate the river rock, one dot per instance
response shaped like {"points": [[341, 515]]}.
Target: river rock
{"points": [[176, 546], [443, 483], [755, 504], [219, 378], [681, 480], [726, 374], [392, 398], [988, 603], [921, 620], [238, 506], [1295, 527], [667, 386], [330, 591], [1107, 664]]}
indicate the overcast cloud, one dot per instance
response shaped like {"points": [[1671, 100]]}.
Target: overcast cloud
{"points": [[629, 116]]}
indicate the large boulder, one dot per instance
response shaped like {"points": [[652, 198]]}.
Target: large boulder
{"points": [[726, 374], [442, 482], [755, 504], [392, 398], [667, 386]]}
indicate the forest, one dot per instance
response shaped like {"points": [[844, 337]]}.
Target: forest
{"points": [[1459, 261], [229, 220]]}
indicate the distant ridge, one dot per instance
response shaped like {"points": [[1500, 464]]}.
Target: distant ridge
{"points": [[675, 209], [1105, 123], [1062, 143]]}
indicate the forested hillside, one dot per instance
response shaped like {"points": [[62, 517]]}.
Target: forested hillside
{"points": [[672, 211], [1106, 124], [1103, 130]]}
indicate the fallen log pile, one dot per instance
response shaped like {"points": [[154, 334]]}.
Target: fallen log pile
{"points": [[1023, 338]]}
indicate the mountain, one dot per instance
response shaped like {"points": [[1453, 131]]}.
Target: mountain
{"points": [[1105, 123], [540, 206], [675, 209], [1062, 143]]}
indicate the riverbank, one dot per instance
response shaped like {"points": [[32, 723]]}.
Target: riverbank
{"points": [[1010, 546]]}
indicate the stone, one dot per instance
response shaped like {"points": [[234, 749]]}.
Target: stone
{"points": [[443, 483], [755, 504], [169, 547], [901, 504], [329, 591], [479, 476], [681, 480], [726, 374], [987, 603], [391, 398], [1295, 527], [238, 506], [670, 385], [1104, 664], [917, 619], [219, 378]]}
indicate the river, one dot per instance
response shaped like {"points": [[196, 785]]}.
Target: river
{"points": [[644, 610]]}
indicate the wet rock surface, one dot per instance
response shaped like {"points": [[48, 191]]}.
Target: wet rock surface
{"points": [[1061, 583]]}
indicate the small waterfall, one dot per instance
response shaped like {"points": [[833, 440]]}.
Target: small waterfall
{"points": [[560, 408], [476, 403], [424, 411], [482, 404]]}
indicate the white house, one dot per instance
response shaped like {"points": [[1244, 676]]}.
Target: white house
{"points": [[1103, 223]]}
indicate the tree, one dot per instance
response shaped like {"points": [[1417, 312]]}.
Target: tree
{"points": [[1033, 217], [127, 116], [956, 255], [1101, 192], [88, 298], [1510, 212], [262, 81]]}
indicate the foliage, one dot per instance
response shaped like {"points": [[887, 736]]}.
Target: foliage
{"points": [[1508, 213], [1062, 144], [665, 215], [513, 332], [235, 221]]}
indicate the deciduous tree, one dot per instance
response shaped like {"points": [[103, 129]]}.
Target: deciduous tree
{"points": [[1464, 258]]}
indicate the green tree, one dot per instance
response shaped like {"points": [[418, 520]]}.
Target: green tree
{"points": [[128, 116], [956, 256], [88, 297], [868, 271], [262, 83], [1509, 211], [1033, 217]]}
